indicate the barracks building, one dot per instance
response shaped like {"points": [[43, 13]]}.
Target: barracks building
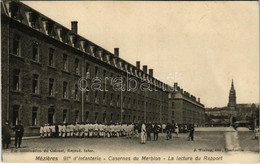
{"points": [[42, 62], [185, 108]]}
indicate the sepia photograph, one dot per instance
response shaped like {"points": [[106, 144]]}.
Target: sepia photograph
{"points": [[130, 81]]}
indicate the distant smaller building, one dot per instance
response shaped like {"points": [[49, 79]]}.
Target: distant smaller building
{"points": [[185, 108], [233, 112]]}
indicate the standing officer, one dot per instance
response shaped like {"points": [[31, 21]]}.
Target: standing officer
{"points": [[18, 134], [191, 132], [149, 130], [6, 135], [155, 132]]}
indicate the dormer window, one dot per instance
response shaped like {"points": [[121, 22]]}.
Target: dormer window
{"points": [[32, 18], [14, 10]]}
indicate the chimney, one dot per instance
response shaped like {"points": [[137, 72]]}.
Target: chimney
{"points": [[116, 52], [145, 68], [74, 27], [175, 85], [151, 72], [199, 100], [138, 64]]}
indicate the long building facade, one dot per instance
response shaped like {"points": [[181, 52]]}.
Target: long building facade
{"points": [[42, 63], [51, 74], [185, 108]]}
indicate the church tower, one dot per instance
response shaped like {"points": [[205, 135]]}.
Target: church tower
{"points": [[232, 96]]}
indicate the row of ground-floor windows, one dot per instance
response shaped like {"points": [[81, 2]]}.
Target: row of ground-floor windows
{"points": [[16, 116]]}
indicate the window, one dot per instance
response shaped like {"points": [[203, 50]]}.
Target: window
{"points": [[65, 89], [16, 80], [77, 66], [172, 104], [104, 97], [104, 117], [87, 69], [124, 101], [111, 117], [104, 74], [87, 113], [35, 52], [96, 71], [76, 116], [96, 116], [87, 94], [118, 100], [35, 86], [15, 114], [129, 102], [76, 92], [123, 118], [64, 116], [51, 57], [111, 59], [50, 115], [51, 87], [65, 62], [118, 117], [111, 99], [96, 96], [34, 116], [16, 45], [129, 118]]}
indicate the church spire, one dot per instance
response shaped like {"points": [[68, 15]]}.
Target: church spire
{"points": [[232, 96], [232, 85]]}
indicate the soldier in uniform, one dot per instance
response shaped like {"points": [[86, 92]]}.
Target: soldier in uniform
{"points": [[19, 130], [155, 132], [191, 132], [42, 131], [148, 131], [143, 131], [6, 135]]}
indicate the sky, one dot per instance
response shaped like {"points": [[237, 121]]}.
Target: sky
{"points": [[200, 45]]}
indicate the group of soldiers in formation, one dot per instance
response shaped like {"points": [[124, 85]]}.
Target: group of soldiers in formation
{"points": [[91, 130], [87, 130]]}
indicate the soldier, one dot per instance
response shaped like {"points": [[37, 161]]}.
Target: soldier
{"points": [[148, 131], [56, 130], [19, 130], [60, 130], [191, 132], [143, 131], [6, 135], [53, 130], [72, 129], [112, 132], [81, 130], [168, 131], [176, 129], [64, 130], [155, 132], [76, 132], [136, 130], [86, 130], [67, 130], [90, 130], [45, 133], [42, 131]]}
